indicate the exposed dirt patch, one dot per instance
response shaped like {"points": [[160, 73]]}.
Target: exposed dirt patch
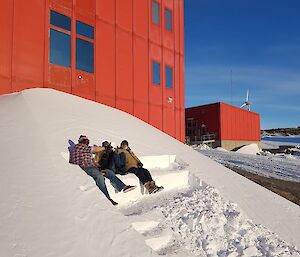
{"points": [[287, 189]]}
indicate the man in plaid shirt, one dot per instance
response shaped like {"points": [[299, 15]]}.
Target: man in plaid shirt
{"points": [[82, 155]]}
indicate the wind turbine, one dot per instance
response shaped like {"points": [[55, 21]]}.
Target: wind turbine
{"points": [[246, 103]]}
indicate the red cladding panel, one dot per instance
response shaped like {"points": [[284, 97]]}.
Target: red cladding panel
{"points": [[105, 10], [85, 11], [6, 21], [182, 127], [59, 78], [169, 121], [105, 65], [177, 81], [124, 14], [168, 96], [140, 18], [178, 123], [155, 91], [124, 72], [141, 85], [168, 60], [61, 6], [181, 12], [239, 124], [176, 23], [155, 116], [28, 45], [168, 36], [84, 86], [155, 29], [155, 96]]}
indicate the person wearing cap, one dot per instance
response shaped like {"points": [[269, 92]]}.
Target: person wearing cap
{"points": [[81, 155], [134, 165]]}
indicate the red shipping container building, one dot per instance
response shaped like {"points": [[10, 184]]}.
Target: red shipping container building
{"points": [[223, 125], [128, 54]]}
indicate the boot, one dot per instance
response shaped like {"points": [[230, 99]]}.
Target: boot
{"points": [[150, 186]]}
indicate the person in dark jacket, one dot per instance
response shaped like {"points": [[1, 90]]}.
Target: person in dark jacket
{"points": [[134, 165], [81, 155]]}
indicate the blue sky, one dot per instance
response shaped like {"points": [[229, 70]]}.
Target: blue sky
{"points": [[259, 41]]}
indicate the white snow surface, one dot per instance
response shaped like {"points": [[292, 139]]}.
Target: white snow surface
{"points": [[279, 166], [249, 149], [49, 207]]}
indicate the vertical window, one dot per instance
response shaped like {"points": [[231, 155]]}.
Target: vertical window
{"points": [[84, 47], [60, 39], [168, 19], [169, 77], [60, 48], [155, 73], [84, 55], [155, 12]]}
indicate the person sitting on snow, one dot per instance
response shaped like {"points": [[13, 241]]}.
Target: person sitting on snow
{"points": [[81, 155], [132, 164]]}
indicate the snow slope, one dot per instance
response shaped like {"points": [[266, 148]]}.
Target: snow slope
{"points": [[51, 208]]}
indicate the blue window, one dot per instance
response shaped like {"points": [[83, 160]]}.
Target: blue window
{"points": [[155, 73], [60, 20], [84, 29], [60, 48], [169, 77], [155, 12], [84, 55], [168, 16]]}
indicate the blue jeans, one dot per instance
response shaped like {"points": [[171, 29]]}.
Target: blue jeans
{"points": [[117, 161], [100, 180]]}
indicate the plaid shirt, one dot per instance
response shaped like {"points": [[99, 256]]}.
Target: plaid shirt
{"points": [[82, 155]]}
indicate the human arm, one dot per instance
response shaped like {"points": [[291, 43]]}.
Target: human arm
{"points": [[97, 149]]}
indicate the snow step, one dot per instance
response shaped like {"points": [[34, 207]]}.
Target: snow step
{"points": [[145, 226], [170, 180], [158, 243], [158, 161]]}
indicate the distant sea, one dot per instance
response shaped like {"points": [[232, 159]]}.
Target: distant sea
{"points": [[282, 139]]}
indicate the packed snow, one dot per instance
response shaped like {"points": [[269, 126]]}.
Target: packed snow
{"points": [[49, 207], [249, 149]]}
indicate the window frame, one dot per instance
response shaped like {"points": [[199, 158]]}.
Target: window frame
{"points": [[166, 76], [154, 2], [153, 63], [92, 70], [60, 30], [166, 24], [87, 39]]}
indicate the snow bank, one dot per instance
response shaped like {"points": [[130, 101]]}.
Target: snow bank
{"points": [[51, 208], [249, 149]]}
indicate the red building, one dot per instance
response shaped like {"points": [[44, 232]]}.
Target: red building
{"points": [[222, 125], [128, 54]]}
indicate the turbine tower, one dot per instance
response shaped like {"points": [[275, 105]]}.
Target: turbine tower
{"points": [[246, 103]]}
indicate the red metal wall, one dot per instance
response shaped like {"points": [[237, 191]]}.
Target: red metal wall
{"points": [[239, 124], [125, 44], [227, 121], [208, 115]]}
